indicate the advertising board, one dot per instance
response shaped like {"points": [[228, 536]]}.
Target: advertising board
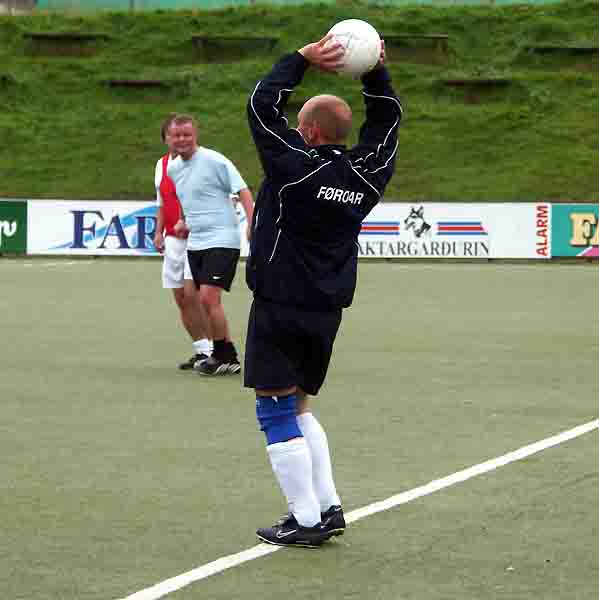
{"points": [[13, 226]]}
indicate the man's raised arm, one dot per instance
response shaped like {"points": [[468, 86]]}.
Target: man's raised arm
{"points": [[266, 105], [377, 146]]}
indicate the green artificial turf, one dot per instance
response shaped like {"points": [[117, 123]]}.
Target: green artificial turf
{"points": [[119, 471]]}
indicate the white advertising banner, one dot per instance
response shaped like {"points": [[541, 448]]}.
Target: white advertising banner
{"points": [[391, 230], [96, 227], [451, 230]]}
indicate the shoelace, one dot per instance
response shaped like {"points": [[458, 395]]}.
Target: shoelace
{"points": [[284, 519]]}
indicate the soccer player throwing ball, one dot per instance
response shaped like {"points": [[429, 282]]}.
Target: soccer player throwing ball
{"points": [[303, 265]]}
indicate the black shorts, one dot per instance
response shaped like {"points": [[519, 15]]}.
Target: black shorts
{"points": [[288, 346], [214, 266]]}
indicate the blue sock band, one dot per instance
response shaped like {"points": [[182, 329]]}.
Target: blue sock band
{"points": [[277, 417]]}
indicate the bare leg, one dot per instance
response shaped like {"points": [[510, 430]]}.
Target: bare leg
{"points": [[190, 312], [210, 298]]}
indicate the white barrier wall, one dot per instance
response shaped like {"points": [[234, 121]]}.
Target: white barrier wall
{"points": [[90, 227], [392, 230], [96, 227], [435, 230]]}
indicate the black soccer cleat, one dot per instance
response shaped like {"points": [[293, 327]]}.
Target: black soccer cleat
{"points": [[214, 366], [290, 533], [333, 520], [190, 364]]}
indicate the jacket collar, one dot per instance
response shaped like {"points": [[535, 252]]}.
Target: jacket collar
{"points": [[331, 150]]}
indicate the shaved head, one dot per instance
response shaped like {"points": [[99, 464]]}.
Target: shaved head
{"points": [[325, 120]]}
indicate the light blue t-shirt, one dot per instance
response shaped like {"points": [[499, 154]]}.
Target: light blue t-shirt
{"points": [[204, 185]]}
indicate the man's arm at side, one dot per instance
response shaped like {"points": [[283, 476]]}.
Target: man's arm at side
{"points": [[246, 200], [159, 235], [181, 228], [159, 231]]}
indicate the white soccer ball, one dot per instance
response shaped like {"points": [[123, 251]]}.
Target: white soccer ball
{"points": [[362, 46]]}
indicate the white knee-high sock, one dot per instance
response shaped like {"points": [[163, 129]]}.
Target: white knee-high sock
{"points": [[322, 471], [292, 466]]}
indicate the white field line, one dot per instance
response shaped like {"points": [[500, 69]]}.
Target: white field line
{"points": [[226, 562], [62, 263]]}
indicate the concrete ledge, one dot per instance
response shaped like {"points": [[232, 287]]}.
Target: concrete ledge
{"points": [[217, 49], [436, 40], [476, 90], [221, 41], [64, 43], [562, 49], [65, 36], [477, 82], [139, 83], [423, 48]]}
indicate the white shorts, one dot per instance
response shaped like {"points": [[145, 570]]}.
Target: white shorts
{"points": [[175, 266]]}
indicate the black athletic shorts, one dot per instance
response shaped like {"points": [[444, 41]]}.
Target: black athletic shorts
{"points": [[288, 346], [214, 266]]}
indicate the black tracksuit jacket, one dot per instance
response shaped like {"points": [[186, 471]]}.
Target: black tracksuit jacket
{"points": [[309, 210]]}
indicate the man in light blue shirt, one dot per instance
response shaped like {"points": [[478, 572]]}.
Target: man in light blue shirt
{"points": [[205, 181]]}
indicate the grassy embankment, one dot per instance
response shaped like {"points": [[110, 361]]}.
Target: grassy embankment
{"points": [[64, 133]]}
